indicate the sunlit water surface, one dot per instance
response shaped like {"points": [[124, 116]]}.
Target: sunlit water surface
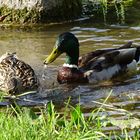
{"points": [[32, 46]]}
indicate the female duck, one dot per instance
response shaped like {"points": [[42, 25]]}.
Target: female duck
{"points": [[16, 76], [94, 66]]}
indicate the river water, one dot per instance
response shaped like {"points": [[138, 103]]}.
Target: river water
{"points": [[32, 45]]}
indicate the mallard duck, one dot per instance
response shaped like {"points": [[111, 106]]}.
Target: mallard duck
{"points": [[94, 66], [16, 76]]}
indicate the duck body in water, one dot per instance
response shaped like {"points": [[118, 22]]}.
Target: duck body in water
{"points": [[16, 76], [95, 66]]}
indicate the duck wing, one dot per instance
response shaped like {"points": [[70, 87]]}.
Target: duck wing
{"points": [[111, 58], [83, 60]]}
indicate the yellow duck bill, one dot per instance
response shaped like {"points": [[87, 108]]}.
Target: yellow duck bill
{"points": [[54, 54]]}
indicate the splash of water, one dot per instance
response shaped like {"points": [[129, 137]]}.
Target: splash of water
{"points": [[44, 75]]}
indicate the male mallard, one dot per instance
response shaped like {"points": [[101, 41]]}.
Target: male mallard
{"points": [[15, 75], [94, 66]]}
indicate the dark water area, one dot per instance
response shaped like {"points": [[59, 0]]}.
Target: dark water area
{"points": [[33, 45]]}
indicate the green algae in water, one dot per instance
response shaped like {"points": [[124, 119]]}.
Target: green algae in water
{"points": [[106, 10]]}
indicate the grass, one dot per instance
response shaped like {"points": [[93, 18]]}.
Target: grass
{"points": [[49, 124], [25, 124], [109, 9]]}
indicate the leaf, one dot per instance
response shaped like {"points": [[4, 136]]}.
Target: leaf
{"points": [[76, 114]]}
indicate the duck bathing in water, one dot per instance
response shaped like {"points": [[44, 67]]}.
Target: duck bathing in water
{"points": [[95, 66], [16, 76]]}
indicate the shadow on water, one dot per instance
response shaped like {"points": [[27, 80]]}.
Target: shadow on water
{"points": [[33, 46]]}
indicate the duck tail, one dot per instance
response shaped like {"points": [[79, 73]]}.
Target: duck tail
{"points": [[127, 45], [137, 55]]}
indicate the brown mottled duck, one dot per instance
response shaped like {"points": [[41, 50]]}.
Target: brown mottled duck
{"points": [[16, 76]]}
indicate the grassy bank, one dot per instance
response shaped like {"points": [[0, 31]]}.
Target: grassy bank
{"points": [[105, 10], [69, 124]]}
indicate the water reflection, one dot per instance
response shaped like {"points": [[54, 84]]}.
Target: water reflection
{"points": [[97, 30]]}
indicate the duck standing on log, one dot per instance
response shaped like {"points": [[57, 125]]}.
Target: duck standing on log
{"points": [[95, 66], [16, 76]]}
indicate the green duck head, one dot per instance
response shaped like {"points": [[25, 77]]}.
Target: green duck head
{"points": [[65, 43]]}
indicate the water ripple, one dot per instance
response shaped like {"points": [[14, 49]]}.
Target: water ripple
{"points": [[99, 39], [90, 29], [135, 28]]}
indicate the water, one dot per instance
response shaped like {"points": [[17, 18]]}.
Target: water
{"points": [[33, 45]]}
